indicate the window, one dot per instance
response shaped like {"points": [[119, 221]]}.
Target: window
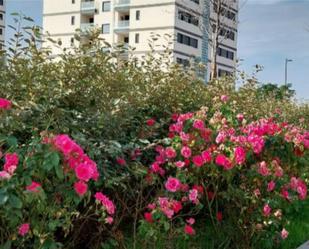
{"points": [[183, 62], [222, 73], [1, 2], [229, 34], [196, 1], [137, 38], [185, 16], [138, 15], [1, 31], [73, 1], [72, 20], [72, 41], [187, 40], [105, 28], [225, 53], [1, 16], [106, 6]]}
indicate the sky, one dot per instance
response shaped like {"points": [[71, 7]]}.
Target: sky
{"points": [[269, 32]]}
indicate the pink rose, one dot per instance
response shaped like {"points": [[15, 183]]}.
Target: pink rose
{"points": [[198, 124], [121, 161], [206, 156], [33, 187], [80, 188], [83, 172], [5, 104], [189, 230], [263, 169], [150, 122], [223, 161], [23, 229], [172, 184], [109, 220], [224, 98], [190, 221], [240, 155], [193, 196], [148, 217], [266, 210], [186, 152], [11, 162], [170, 152], [284, 233], [180, 164], [240, 117], [271, 186], [4, 175], [198, 161]]}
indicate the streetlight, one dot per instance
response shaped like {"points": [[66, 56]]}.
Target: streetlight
{"points": [[286, 70]]}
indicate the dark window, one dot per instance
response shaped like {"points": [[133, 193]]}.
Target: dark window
{"points": [[229, 34], [72, 20], [1, 16], [73, 1], [183, 62], [138, 15], [106, 6], [1, 31], [106, 28], [126, 39], [187, 40], [225, 53], [1, 2], [137, 38], [184, 16], [72, 41], [196, 1], [222, 73]]}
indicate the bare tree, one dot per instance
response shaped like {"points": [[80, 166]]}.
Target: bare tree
{"points": [[219, 14]]}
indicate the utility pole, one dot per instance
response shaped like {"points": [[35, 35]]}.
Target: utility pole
{"points": [[286, 70]]}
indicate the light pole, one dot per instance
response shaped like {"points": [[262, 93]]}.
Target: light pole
{"points": [[286, 70]]}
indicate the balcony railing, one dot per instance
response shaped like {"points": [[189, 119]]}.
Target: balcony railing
{"points": [[84, 27], [122, 26], [88, 7], [122, 4]]}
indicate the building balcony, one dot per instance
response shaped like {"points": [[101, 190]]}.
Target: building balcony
{"points": [[122, 5], [88, 7], [122, 27], [85, 27]]}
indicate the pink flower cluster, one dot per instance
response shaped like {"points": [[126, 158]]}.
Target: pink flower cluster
{"points": [[107, 204], [200, 148], [10, 165], [5, 104], [74, 156]]}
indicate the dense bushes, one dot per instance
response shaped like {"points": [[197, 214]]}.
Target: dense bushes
{"points": [[119, 112]]}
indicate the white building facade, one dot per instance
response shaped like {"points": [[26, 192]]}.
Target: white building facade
{"points": [[2, 23], [176, 24]]}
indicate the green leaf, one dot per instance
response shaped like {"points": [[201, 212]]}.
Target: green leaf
{"points": [[52, 160], [59, 171], [15, 202], [6, 245], [3, 198]]}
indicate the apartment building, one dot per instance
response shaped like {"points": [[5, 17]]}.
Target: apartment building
{"points": [[2, 23], [176, 24]]}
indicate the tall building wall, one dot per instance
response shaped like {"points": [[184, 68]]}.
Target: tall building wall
{"points": [[179, 25], [2, 23]]}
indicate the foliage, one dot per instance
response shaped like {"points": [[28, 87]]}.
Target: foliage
{"points": [[118, 112]]}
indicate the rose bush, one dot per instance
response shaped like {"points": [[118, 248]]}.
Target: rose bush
{"points": [[43, 187], [234, 173]]}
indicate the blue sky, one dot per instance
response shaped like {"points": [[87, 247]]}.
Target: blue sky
{"points": [[269, 32]]}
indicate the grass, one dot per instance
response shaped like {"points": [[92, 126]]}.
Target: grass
{"points": [[298, 234]]}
